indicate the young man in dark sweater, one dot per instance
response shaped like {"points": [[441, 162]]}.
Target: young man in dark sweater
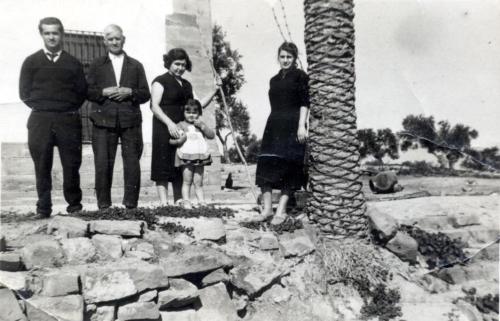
{"points": [[52, 84]]}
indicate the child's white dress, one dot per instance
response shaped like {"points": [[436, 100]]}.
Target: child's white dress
{"points": [[194, 151]]}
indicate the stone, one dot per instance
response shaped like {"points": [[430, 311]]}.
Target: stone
{"points": [[136, 244], [433, 284], [145, 275], [184, 315], [60, 284], [470, 311], [139, 311], [383, 225], [103, 285], [138, 255], [67, 226], [10, 311], [46, 253], [240, 301], [10, 261], [62, 308], [216, 304], [459, 221], [122, 279], [180, 293], [253, 276], [490, 253], [113, 227], [404, 246], [148, 296], [193, 259], [296, 244], [15, 281], [268, 241], [79, 250], [103, 313], [211, 229], [215, 277], [108, 247], [242, 235], [145, 247], [278, 294]]}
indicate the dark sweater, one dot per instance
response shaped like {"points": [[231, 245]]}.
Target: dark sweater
{"points": [[52, 86]]}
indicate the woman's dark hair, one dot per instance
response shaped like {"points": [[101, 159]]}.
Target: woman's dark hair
{"points": [[194, 103], [176, 54], [291, 48]]}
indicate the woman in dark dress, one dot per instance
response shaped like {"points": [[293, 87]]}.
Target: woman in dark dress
{"points": [[169, 93], [280, 164]]}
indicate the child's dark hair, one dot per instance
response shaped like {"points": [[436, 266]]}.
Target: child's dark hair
{"points": [[194, 103]]}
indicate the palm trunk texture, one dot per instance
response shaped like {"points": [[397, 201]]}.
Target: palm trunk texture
{"points": [[337, 204]]}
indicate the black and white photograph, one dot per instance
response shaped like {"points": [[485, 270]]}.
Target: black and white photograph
{"points": [[264, 160]]}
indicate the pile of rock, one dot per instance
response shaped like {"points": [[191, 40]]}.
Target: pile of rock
{"points": [[118, 270], [386, 231]]}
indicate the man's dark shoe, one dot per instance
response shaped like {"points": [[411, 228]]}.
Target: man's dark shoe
{"points": [[41, 216], [72, 209]]}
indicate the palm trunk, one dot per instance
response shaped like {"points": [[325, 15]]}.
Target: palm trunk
{"points": [[337, 204]]}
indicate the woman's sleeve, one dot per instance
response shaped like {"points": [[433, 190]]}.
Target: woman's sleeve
{"points": [[304, 89]]}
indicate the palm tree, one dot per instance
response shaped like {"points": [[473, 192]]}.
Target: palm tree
{"points": [[337, 204]]}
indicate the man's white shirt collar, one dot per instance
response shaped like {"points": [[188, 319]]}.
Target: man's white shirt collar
{"points": [[117, 62], [48, 53]]}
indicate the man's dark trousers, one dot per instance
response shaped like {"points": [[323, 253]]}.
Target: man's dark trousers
{"points": [[45, 131], [104, 144]]}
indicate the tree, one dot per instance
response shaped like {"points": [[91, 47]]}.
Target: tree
{"points": [[250, 146], [378, 144], [337, 204], [228, 66], [486, 159], [447, 143]]}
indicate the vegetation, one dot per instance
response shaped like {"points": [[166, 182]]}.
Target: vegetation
{"points": [[438, 248], [227, 64], [250, 146], [378, 144], [358, 264], [485, 159], [289, 225], [485, 304], [446, 142], [150, 215]]}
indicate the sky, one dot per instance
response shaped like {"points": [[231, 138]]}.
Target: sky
{"points": [[432, 57]]}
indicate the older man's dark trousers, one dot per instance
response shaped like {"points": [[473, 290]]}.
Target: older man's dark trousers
{"points": [[104, 143], [64, 130]]}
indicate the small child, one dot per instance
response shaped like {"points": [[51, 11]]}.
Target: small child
{"points": [[192, 154]]}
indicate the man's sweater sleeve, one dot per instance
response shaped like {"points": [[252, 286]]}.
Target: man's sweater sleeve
{"points": [[26, 81]]}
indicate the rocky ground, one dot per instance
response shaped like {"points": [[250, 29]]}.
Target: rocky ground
{"points": [[223, 268]]}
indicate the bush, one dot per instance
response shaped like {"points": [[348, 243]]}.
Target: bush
{"points": [[438, 248], [358, 265]]}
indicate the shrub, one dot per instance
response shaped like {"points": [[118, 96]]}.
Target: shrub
{"points": [[357, 264], [438, 248]]}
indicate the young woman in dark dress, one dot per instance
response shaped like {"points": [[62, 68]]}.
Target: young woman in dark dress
{"points": [[280, 164], [169, 93]]}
